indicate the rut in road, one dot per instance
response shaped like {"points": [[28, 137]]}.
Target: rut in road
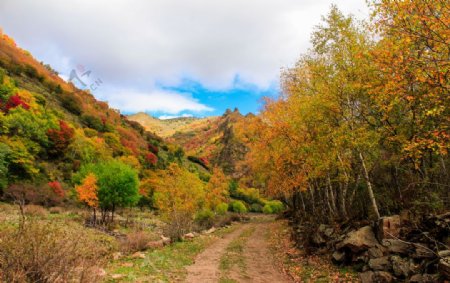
{"points": [[258, 265]]}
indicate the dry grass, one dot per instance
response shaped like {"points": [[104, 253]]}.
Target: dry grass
{"points": [[45, 252], [136, 241], [35, 210]]}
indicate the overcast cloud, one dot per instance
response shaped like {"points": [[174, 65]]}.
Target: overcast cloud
{"points": [[137, 46]]}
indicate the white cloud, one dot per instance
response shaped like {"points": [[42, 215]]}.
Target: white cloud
{"points": [[144, 42], [166, 117], [132, 101]]}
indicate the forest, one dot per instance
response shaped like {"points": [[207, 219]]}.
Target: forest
{"points": [[344, 175]]}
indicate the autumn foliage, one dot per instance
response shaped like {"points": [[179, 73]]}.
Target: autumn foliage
{"points": [[87, 191], [60, 139]]}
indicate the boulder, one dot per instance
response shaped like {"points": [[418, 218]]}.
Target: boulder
{"points": [[377, 251], [117, 276], [138, 255], [444, 267], [165, 240], [416, 278], [367, 277], [338, 256], [381, 263], [210, 231], [359, 240], [117, 255], [444, 253], [400, 266], [422, 251], [389, 227], [397, 246], [383, 277], [189, 236]]}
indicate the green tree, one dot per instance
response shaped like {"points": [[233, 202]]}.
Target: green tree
{"points": [[117, 183]]}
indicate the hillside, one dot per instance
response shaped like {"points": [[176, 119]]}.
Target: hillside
{"points": [[168, 127], [211, 139], [49, 128]]}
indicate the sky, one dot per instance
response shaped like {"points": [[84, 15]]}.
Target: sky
{"points": [[170, 58]]}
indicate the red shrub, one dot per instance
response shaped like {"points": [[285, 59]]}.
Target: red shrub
{"points": [[151, 158], [15, 101], [153, 148], [60, 139], [57, 188]]}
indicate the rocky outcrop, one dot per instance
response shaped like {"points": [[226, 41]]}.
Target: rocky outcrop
{"points": [[388, 251]]}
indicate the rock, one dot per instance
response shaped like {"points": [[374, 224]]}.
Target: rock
{"points": [[397, 246], [189, 236], [417, 278], [400, 266], [127, 264], [381, 263], [155, 244], [367, 277], [444, 267], [444, 253], [100, 272], [338, 256], [359, 240], [117, 255], [166, 240], [422, 251], [383, 277], [377, 251], [318, 239], [117, 276], [430, 278], [388, 227], [138, 255], [210, 231], [329, 232]]}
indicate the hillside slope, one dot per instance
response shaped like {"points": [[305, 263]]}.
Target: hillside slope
{"points": [[210, 140], [49, 128]]}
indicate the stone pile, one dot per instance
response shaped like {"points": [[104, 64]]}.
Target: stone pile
{"points": [[389, 252]]}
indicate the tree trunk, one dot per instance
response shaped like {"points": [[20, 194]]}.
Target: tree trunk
{"points": [[369, 187]]}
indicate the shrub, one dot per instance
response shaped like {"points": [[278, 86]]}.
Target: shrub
{"points": [[267, 209], [238, 206], [205, 218], [92, 122], [44, 252], [136, 241], [222, 208], [276, 206], [256, 207], [180, 224], [35, 210], [71, 103]]}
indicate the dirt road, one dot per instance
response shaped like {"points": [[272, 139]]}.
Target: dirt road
{"points": [[241, 256]]}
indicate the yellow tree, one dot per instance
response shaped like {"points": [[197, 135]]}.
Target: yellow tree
{"points": [[217, 189]]}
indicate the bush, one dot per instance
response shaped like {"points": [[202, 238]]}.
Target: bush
{"points": [[267, 209], [221, 208], [35, 210], [44, 252], [71, 103], [238, 206], [180, 224], [256, 207], [205, 218], [276, 205], [136, 241]]}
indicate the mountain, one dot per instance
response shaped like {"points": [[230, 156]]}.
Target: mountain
{"points": [[212, 139], [168, 127]]}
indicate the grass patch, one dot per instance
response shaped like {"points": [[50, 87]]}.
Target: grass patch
{"points": [[233, 256], [162, 265]]}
